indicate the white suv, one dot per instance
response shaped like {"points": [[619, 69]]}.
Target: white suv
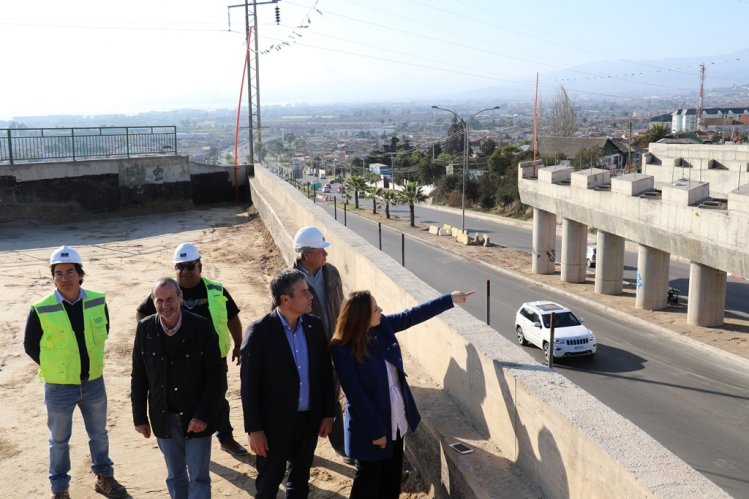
{"points": [[590, 256], [571, 338]]}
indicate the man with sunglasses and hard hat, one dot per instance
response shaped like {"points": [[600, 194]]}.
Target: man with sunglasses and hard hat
{"points": [[211, 300], [65, 335]]}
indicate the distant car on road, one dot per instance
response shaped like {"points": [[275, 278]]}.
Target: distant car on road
{"points": [[571, 338], [322, 176], [590, 256], [336, 180]]}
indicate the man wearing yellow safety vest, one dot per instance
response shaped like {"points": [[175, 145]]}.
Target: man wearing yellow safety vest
{"points": [[65, 335], [211, 300]]}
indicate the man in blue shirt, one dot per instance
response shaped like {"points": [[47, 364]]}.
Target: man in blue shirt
{"points": [[287, 387]]}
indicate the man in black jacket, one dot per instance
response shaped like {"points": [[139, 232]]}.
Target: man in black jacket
{"points": [[178, 375], [287, 387]]}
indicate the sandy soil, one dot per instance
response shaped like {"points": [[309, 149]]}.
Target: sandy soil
{"points": [[122, 257]]}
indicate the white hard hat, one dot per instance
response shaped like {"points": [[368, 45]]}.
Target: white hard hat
{"points": [[309, 237], [186, 252], [64, 254]]}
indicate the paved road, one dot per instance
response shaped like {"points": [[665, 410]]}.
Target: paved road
{"points": [[695, 403]]}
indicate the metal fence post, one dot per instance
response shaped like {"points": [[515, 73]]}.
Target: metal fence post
{"points": [[488, 295], [403, 249], [379, 233], [551, 341], [10, 148], [72, 141], [335, 208]]}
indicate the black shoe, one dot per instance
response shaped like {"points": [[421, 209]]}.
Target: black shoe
{"points": [[233, 447], [109, 487]]}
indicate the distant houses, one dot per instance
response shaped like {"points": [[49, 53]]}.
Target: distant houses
{"points": [[714, 118]]}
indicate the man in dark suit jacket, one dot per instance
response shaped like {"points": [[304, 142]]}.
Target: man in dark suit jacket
{"points": [[287, 387]]}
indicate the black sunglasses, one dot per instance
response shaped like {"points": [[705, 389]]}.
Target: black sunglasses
{"points": [[186, 266]]}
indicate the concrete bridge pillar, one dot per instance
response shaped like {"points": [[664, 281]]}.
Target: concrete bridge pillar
{"points": [[652, 278], [707, 296], [609, 264], [544, 242], [574, 243]]}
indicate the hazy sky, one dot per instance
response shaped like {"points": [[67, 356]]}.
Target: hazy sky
{"points": [[101, 56]]}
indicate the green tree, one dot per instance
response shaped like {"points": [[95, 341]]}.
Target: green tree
{"points": [[501, 161], [356, 183], [375, 192], [655, 133], [455, 143], [412, 194], [488, 147], [389, 197]]}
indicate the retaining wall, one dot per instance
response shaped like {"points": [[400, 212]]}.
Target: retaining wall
{"points": [[81, 188]]}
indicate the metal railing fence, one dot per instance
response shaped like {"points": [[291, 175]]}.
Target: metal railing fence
{"points": [[35, 145]]}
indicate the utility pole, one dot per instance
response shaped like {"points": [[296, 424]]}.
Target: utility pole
{"points": [[253, 78], [700, 100]]}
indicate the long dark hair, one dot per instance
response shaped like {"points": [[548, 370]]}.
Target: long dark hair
{"points": [[353, 323]]}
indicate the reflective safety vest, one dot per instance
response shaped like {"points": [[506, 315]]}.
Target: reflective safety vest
{"points": [[219, 316], [59, 357]]}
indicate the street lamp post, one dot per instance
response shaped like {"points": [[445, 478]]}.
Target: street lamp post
{"points": [[465, 155]]}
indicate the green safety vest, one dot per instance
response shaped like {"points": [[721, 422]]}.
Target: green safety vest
{"points": [[219, 317], [59, 357]]}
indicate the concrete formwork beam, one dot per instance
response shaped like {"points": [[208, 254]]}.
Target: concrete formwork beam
{"points": [[544, 242], [652, 278], [574, 244], [707, 296], [609, 264]]}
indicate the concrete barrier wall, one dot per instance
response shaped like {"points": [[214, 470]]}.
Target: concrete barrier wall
{"points": [[79, 188], [558, 434]]}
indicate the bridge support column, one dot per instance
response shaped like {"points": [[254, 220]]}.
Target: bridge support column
{"points": [[609, 264], [652, 278], [544, 242], [707, 296], [574, 243]]}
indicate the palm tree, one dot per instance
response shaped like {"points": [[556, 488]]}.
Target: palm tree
{"points": [[412, 194], [375, 192], [389, 197], [356, 183]]}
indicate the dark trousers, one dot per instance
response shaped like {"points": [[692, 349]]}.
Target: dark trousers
{"points": [[379, 479], [295, 445], [224, 431], [336, 434]]}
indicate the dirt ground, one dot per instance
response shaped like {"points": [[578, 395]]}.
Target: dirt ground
{"points": [[122, 256]]}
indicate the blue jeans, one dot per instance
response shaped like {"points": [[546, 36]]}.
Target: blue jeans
{"points": [[61, 400], [187, 463]]}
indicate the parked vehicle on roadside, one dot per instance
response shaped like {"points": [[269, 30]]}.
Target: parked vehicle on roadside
{"points": [[590, 256], [571, 338]]}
